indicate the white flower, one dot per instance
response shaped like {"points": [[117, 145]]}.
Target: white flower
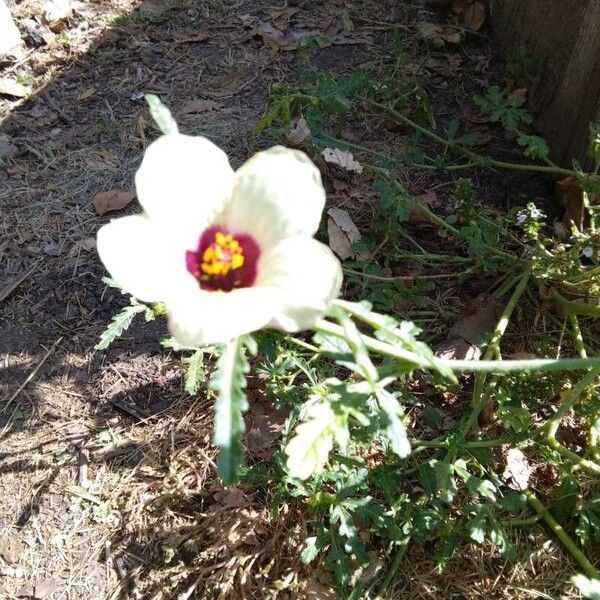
{"points": [[227, 253], [521, 217], [588, 252]]}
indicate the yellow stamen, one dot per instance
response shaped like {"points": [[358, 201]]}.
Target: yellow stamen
{"points": [[225, 254]]}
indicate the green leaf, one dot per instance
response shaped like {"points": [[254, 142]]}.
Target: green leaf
{"points": [[308, 451], [161, 115], [477, 528], [229, 382], [564, 499], [481, 486], [534, 146], [310, 550], [119, 323], [446, 485], [395, 429], [364, 366], [194, 374], [513, 502], [499, 537]]}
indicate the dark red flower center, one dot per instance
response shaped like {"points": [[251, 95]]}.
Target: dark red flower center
{"points": [[223, 260]]}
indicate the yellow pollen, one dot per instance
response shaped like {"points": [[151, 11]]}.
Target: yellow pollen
{"points": [[225, 254]]}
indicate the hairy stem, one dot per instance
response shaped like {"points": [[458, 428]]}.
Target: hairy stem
{"points": [[562, 535]]}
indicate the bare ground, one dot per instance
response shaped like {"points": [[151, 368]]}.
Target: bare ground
{"points": [[108, 485]]}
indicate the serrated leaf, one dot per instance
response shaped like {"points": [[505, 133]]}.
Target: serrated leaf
{"points": [[481, 486], [161, 115], [395, 429], [310, 550], [194, 374], [119, 323], [477, 528], [513, 502], [229, 382], [446, 486], [533, 146], [308, 451]]}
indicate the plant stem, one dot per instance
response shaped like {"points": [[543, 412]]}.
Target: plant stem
{"points": [[592, 467], [480, 399], [406, 277], [464, 366], [568, 307], [393, 569], [563, 536], [468, 444], [551, 426], [577, 337], [481, 160]]}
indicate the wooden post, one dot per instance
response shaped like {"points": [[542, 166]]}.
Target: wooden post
{"points": [[563, 37]]}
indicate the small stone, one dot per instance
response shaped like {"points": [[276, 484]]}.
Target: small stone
{"points": [[7, 148]]}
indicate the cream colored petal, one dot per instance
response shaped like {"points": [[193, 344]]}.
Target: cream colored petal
{"points": [[183, 182], [199, 317], [140, 258], [305, 276], [277, 194]]}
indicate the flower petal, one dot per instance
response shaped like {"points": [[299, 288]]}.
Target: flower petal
{"points": [[198, 317], [183, 182], [277, 194], [139, 258], [305, 276]]}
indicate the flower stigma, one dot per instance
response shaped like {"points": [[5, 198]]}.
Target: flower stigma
{"points": [[223, 261]]}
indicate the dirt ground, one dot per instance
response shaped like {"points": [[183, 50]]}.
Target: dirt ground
{"points": [[108, 485]]}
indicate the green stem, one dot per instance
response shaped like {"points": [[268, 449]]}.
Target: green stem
{"points": [[468, 444], [563, 536], [526, 521], [481, 160], [447, 226], [577, 337], [568, 307], [480, 399], [551, 426], [465, 366], [593, 468], [393, 569]]}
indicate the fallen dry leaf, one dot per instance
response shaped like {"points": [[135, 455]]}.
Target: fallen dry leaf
{"points": [[518, 96], [265, 430], [342, 159], [232, 498], [112, 200], [439, 33], [9, 87], [84, 245], [471, 13], [517, 471], [417, 216], [39, 590], [199, 105], [463, 341], [569, 192], [281, 16], [342, 232], [154, 8], [299, 133]]}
